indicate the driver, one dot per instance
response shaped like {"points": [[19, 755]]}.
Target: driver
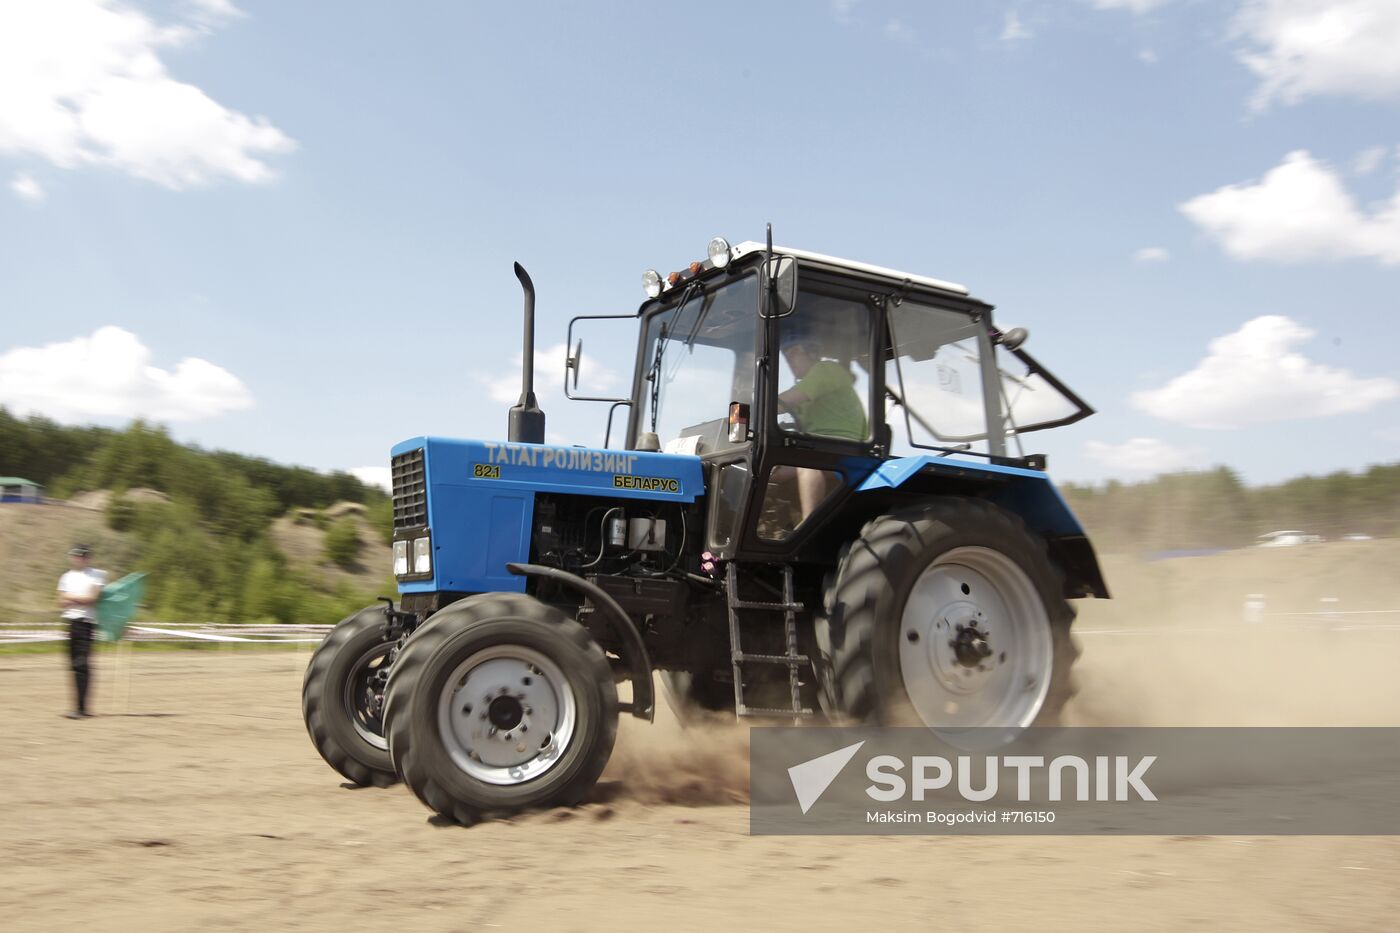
{"points": [[824, 400]]}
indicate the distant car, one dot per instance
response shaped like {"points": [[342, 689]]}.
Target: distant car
{"points": [[1356, 538], [1287, 539]]}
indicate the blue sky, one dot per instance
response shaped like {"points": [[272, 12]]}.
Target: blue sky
{"points": [[322, 203]]}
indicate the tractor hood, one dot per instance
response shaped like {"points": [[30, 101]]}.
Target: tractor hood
{"points": [[477, 499]]}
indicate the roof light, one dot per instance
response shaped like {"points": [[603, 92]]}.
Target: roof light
{"points": [[651, 283], [719, 252]]}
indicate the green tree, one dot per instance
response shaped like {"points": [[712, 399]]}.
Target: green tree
{"points": [[342, 545]]}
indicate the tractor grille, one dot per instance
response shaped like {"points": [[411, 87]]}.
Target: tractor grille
{"points": [[410, 490]]}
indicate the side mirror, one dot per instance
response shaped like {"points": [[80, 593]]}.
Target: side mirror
{"points": [[781, 275], [1013, 338], [573, 363], [573, 359]]}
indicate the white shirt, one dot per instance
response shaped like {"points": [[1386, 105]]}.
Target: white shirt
{"points": [[81, 583]]}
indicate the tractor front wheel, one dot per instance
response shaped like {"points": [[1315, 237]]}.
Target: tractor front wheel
{"points": [[342, 698], [500, 704]]}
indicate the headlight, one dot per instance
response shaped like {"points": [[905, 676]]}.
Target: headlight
{"points": [[651, 283], [422, 556], [719, 252], [400, 558]]}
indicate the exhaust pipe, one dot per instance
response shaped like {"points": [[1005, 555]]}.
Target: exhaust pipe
{"points": [[526, 419]]}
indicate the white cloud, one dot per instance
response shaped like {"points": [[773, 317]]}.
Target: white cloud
{"points": [[1151, 254], [214, 11], [24, 186], [1254, 376], [899, 31], [108, 375], [1298, 211], [1368, 161], [595, 378], [82, 83], [1144, 455], [373, 476], [1147, 57], [841, 9], [1132, 6], [1306, 48], [1013, 30], [504, 387]]}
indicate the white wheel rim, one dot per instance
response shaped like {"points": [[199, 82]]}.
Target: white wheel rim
{"points": [[975, 648], [506, 714]]}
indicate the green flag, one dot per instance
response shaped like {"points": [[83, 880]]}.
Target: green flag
{"points": [[117, 605]]}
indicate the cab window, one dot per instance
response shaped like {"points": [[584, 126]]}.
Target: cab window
{"points": [[824, 368]]}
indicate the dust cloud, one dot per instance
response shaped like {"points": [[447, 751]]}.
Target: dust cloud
{"points": [[703, 762], [1176, 646], [1306, 636]]}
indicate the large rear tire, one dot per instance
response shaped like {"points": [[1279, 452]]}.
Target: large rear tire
{"points": [[500, 704], [949, 614], [342, 698]]}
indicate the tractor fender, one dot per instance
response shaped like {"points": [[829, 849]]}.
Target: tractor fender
{"points": [[1028, 494], [633, 648]]}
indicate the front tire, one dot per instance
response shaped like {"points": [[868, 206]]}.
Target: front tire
{"points": [[950, 614], [342, 697], [500, 704]]}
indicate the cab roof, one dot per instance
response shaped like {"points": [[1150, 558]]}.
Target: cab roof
{"points": [[850, 265]]}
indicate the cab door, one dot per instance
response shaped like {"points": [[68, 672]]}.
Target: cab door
{"points": [[820, 427]]}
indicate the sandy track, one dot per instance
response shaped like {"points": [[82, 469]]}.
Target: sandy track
{"points": [[208, 808]]}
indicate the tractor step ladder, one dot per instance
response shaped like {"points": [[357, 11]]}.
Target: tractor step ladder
{"points": [[738, 657]]}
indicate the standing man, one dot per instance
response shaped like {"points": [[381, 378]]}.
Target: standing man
{"points": [[78, 590]]}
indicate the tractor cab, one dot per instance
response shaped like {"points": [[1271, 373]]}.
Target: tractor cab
{"points": [[795, 377]]}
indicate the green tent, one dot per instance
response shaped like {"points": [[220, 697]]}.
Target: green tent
{"points": [[117, 605]]}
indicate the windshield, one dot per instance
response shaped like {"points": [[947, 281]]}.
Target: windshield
{"points": [[937, 378], [699, 358], [936, 374]]}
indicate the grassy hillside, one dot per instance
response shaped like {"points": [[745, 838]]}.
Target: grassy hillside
{"points": [[223, 537], [298, 582]]}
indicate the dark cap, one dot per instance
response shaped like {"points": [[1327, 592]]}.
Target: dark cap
{"points": [[79, 550]]}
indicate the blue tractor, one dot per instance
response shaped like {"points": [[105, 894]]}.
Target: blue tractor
{"points": [[815, 511]]}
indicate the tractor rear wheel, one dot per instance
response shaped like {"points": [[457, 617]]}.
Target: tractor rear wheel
{"points": [[949, 614], [342, 698], [500, 703]]}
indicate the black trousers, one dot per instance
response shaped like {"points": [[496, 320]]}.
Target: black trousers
{"points": [[79, 652]]}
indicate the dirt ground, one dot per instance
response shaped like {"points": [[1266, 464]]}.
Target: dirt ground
{"points": [[197, 802]]}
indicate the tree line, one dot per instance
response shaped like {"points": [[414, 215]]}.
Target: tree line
{"points": [[65, 458], [1215, 509]]}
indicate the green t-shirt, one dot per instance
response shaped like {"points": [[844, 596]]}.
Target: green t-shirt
{"points": [[832, 409]]}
